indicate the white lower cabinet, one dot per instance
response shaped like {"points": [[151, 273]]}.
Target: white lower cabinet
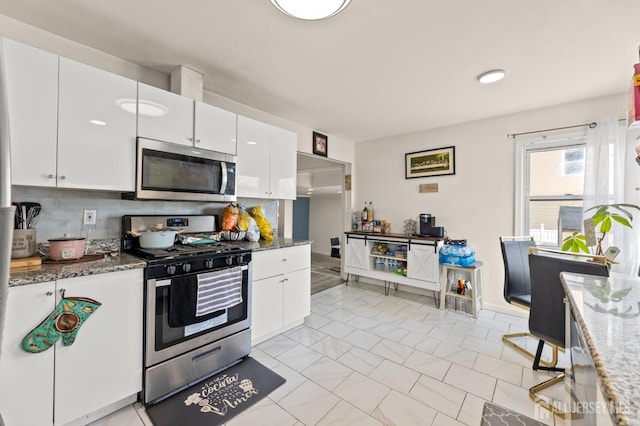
{"points": [[26, 380], [281, 290], [86, 380], [104, 365]]}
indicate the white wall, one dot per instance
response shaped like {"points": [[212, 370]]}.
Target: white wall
{"points": [[477, 203], [325, 212]]}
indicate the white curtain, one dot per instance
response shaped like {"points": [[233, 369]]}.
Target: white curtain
{"points": [[613, 176]]}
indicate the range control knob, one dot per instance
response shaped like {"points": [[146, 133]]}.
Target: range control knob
{"points": [[208, 263], [240, 258], [171, 269], [229, 260], [186, 267]]}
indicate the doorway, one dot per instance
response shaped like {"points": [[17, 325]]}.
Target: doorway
{"points": [[320, 209]]}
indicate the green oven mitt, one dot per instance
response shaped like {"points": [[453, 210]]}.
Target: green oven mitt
{"points": [[64, 321]]}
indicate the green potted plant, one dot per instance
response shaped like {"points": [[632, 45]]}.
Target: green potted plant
{"points": [[603, 219]]}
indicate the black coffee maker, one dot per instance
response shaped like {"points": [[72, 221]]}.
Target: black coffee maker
{"points": [[428, 226]]}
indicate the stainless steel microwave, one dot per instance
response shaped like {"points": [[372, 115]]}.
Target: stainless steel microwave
{"points": [[167, 171]]}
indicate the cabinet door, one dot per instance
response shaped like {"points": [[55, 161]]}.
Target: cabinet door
{"points": [[252, 173], [26, 379], [164, 116], [357, 254], [104, 364], [268, 263], [215, 128], [31, 88], [96, 137], [266, 307], [423, 263], [297, 296], [283, 172]]}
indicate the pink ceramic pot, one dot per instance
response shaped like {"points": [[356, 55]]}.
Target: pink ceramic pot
{"points": [[66, 248]]}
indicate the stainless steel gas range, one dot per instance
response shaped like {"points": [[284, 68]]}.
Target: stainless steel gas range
{"points": [[197, 303]]}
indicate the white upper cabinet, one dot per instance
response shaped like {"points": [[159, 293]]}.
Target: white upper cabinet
{"points": [[252, 172], [215, 128], [164, 116], [96, 136], [169, 117], [282, 178], [266, 160], [31, 92]]}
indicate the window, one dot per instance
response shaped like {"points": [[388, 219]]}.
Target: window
{"points": [[573, 162], [549, 187]]}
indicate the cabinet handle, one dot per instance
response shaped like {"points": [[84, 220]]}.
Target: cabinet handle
{"points": [[189, 139], [49, 293], [284, 260], [63, 177], [50, 176], [197, 140], [286, 279]]}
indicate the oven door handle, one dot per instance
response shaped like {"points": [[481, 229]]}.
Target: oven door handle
{"points": [[205, 354], [223, 185], [167, 282]]}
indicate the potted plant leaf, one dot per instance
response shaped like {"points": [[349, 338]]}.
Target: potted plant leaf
{"points": [[603, 219]]}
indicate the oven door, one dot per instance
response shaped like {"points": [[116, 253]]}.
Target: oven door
{"points": [[169, 171], [163, 342]]}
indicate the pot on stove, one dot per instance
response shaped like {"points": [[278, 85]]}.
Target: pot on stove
{"points": [[157, 238]]}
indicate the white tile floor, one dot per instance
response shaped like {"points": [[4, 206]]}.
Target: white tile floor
{"points": [[363, 358]]}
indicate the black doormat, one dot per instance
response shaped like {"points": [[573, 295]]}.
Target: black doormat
{"points": [[217, 399]]}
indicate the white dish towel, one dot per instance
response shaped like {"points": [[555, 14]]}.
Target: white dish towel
{"points": [[219, 290]]}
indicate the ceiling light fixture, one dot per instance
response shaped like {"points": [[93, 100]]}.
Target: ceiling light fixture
{"points": [[144, 107], [311, 10], [491, 76]]}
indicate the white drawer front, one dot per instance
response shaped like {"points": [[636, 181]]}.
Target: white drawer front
{"points": [[269, 263]]}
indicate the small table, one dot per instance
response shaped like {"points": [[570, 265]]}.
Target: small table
{"points": [[471, 273]]}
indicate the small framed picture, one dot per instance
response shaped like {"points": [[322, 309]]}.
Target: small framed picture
{"points": [[320, 143], [432, 162]]}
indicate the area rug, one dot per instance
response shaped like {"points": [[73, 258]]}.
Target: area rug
{"points": [[217, 399], [495, 415]]}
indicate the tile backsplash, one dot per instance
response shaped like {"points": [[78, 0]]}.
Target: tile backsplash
{"points": [[62, 210]]}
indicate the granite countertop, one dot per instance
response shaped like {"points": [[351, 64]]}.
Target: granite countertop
{"points": [[51, 271], [121, 262], [276, 243], [608, 314]]}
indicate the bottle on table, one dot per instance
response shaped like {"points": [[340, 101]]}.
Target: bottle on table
{"points": [[365, 212], [370, 212]]}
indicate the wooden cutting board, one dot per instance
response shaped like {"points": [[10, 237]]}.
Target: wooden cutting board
{"points": [[85, 258], [26, 261]]}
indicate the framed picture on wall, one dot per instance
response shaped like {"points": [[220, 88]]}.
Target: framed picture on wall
{"points": [[320, 143], [431, 162]]}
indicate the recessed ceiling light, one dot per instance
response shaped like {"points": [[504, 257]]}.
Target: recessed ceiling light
{"points": [[98, 122], [491, 76], [142, 107], [310, 10], [310, 189], [252, 143]]}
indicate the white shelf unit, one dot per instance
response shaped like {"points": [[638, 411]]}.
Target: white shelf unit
{"points": [[420, 260], [471, 301]]}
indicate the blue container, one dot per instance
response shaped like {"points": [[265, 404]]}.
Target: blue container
{"points": [[458, 255]]}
